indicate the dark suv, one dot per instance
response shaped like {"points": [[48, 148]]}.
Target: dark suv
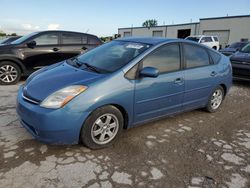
{"points": [[241, 63], [39, 49]]}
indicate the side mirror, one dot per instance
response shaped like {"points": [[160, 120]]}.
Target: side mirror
{"points": [[31, 44], [149, 72]]}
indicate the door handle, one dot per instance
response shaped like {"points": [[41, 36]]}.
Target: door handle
{"points": [[178, 81], [55, 49], [213, 73]]}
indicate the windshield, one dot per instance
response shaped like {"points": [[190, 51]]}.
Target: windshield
{"points": [[195, 39], [22, 39], [111, 56], [4, 41], [246, 49]]}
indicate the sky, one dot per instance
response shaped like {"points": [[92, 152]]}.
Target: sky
{"points": [[104, 17]]}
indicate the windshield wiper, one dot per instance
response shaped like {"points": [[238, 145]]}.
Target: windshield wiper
{"points": [[91, 67], [78, 63]]}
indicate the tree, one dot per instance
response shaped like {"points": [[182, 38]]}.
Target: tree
{"points": [[13, 34], [150, 23], [2, 34]]}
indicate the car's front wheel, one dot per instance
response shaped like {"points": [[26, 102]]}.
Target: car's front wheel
{"points": [[10, 73], [102, 127], [215, 99]]}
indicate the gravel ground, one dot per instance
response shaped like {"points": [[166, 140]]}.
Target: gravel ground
{"points": [[193, 149]]}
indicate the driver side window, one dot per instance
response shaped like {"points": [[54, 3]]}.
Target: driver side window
{"points": [[165, 59], [47, 39]]}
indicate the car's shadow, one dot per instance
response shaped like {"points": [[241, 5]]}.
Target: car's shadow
{"points": [[241, 83]]}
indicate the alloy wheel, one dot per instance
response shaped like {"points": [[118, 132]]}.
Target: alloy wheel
{"points": [[105, 129], [8, 73], [217, 98]]}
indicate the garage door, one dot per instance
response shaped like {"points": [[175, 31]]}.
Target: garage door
{"points": [[223, 36]]}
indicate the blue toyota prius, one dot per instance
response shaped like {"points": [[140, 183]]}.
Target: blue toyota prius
{"points": [[93, 97]]}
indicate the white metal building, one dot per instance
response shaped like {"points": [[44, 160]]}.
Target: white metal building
{"points": [[229, 29]]}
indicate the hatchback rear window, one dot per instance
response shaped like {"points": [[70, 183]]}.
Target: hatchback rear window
{"points": [[93, 40], [215, 56]]}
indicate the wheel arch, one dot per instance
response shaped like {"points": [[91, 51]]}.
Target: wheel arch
{"points": [[14, 60], [224, 88]]}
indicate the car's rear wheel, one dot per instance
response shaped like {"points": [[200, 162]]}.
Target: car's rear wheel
{"points": [[10, 73], [215, 100], [102, 127]]}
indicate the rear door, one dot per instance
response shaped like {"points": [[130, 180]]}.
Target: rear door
{"points": [[200, 76], [46, 51], [72, 44], [163, 95]]}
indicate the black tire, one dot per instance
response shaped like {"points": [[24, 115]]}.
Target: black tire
{"points": [[15, 67], [87, 137], [210, 108], [214, 47]]}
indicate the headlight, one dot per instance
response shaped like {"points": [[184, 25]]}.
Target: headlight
{"points": [[61, 97]]}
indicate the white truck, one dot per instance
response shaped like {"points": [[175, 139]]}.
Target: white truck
{"points": [[210, 41]]}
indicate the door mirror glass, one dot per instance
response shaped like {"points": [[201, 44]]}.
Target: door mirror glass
{"points": [[149, 72], [31, 44]]}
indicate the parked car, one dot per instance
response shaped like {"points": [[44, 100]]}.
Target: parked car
{"points": [[234, 47], [9, 40], [93, 97], [241, 63], [39, 49], [210, 41]]}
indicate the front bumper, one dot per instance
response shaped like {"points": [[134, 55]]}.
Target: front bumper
{"points": [[60, 126], [241, 71]]}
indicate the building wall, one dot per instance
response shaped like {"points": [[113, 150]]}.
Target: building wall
{"points": [[238, 27], [167, 31], [230, 29]]}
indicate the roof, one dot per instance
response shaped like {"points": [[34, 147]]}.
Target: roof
{"points": [[225, 17], [62, 31], [192, 23], [146, 40]]}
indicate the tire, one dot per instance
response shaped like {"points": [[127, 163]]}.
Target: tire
{"points": [[10, 73], [102, 127], [215, 103], [214, 47]]}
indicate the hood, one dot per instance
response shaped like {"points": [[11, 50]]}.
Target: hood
{"points": [[228, 50], [4, 46], [50, 79], [240, 56]]}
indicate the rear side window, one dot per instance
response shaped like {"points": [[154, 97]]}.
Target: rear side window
{"points": [[195, 56], [165, 59], [69, 38], [207, 39], [93, 40], [216, 39], [47, 39], [215, 56]]}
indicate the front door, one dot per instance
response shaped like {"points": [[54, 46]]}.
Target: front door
{"points": [[155, 97], [46, 51]]}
